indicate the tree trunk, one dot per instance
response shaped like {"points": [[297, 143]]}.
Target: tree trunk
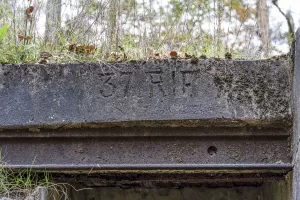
{"points": [[263, 25], [53, 20], [112, 23]]}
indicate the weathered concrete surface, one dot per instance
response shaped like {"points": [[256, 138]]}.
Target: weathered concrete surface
{"points": [[296, 110], [205, 92], [266, 191]]}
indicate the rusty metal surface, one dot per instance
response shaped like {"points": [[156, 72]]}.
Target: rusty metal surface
{"points": [[147, 149]]}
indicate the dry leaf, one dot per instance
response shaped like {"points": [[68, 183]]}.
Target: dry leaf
{"points": [[21, 37], [45, 55], [29, 10], [80, 48], [89, 49], [28, 38], [72, 47], [173, 54]]}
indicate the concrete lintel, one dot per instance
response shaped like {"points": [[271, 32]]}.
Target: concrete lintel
{"points": [[170, 92]]}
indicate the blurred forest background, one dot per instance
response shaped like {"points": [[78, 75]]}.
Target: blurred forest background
{"points": [[97, 30]]}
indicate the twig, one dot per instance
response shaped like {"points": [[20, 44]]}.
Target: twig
{"points": [[289, 19]]}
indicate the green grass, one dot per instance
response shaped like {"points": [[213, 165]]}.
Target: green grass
{"points": [[19, 184], [14, 50]]}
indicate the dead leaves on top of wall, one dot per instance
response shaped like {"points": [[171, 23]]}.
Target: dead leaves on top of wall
{"points": [[81, 49]]}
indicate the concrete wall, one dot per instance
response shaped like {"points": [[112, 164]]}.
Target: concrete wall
{"points": [[121, 122], [296, 111], [267, 191]]}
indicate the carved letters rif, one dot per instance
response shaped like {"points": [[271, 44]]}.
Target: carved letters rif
{"points": [[157, 82]]}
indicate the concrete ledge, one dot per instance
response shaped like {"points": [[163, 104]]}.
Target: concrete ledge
{"points": [[140, 148], [146, 93], [296, 123]]}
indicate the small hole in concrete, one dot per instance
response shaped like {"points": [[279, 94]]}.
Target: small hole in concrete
{"points": [[212, 150]]}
